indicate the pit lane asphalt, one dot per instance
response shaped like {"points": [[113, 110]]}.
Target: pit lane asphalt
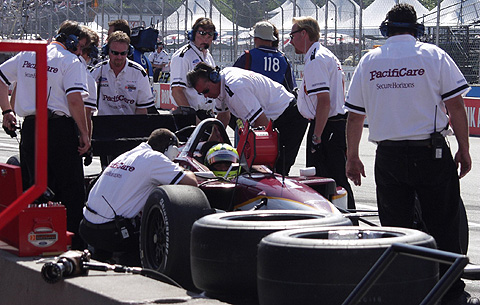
{"points": [[364, 194]]}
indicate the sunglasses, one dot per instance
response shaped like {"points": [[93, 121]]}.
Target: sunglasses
{"points": [[203, 33], [204, 91], [291, 34], [119, 53]]}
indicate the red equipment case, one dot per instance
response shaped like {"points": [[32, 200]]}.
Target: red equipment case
{"points": [[38, 229]]}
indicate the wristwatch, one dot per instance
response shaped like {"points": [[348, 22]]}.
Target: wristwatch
{"points": [[315, 139]]}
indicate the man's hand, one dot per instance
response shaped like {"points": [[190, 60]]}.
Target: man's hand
{"points": [[463, 159], [355, 171], [84, 144]]}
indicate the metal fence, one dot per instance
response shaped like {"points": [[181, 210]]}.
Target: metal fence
{"points": [[31, 19]]}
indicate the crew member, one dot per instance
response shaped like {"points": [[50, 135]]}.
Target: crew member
{"points": [[255, 98], [137, 55], [267, 59], [124, 85], [185, 59], [410, 91], [159, 60], [68, 136], [122, 190], [320, 100]]}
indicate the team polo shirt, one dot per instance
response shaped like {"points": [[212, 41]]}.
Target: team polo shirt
{"points": [[65, 75], [322, 73], [248, 94], [128, 181], [124, 93], [158, 58], [401, 87], [183, 61]]}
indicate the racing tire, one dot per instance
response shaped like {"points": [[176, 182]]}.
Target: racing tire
{"points": [[167, 219], [14, 160], [224, 247], [310, 266]]}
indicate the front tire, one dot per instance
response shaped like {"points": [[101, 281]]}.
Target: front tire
{"points": [[167, 219]]}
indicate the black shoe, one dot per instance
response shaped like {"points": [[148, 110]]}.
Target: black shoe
{"points": [[464, 299]]}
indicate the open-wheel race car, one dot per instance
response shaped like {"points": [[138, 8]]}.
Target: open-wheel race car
{"points": [[170, 211]]}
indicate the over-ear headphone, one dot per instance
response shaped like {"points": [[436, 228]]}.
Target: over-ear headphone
{"points": [[191, 35], [106, 50], [214, 75], [70, 41], [417, 27], [171, 152]]}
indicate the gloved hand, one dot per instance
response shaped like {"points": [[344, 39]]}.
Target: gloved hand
{"points": [[184, 110]]}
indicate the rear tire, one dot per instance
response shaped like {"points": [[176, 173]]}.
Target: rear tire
{"points": [[309, 266], [167, 219], [224, 247]]}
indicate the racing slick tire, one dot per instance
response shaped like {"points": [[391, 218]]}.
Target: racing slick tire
{"points": [[167, 220], [312, 265], [224, 247], [14, 160]]}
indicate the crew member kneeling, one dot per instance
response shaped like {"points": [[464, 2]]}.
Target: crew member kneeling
{"points": [[111, 222]]}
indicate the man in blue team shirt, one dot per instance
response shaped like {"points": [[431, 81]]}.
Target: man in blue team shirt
{"points": [[266, 59]]}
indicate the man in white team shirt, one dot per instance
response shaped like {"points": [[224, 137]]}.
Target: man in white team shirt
{"points": [[410, 91], [122, 191], [255, 98], [159, 60], [124, 84], [320, 100], [68, 136], [185, 59]]}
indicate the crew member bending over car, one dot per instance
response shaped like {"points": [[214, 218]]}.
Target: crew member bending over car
{"points": [[255, 98], [111, 222]]}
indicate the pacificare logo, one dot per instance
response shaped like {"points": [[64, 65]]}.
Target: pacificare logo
{"points": [[402, 72]]}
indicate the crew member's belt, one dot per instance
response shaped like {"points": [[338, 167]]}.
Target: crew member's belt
{"points": [[338, 117], [102, 226], [404, 143]]}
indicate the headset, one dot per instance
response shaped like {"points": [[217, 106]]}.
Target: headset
{"points": [[193, 31], [417, 27], [70, 41], [106, 50], [214, 75], [171, 152]]}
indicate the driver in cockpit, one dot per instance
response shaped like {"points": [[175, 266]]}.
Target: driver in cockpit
{"points": [[221, 159]]}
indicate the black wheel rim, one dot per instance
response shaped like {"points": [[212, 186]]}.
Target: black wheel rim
{"points": [[156, 246]]}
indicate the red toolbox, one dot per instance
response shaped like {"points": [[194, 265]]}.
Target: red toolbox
{"points": [[38, 229]]}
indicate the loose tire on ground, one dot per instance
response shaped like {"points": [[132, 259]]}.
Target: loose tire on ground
{"points": [[224, 247], [312, 265], [167, 219]]}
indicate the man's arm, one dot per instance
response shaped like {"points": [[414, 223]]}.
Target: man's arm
{"points": [[354, 166], [321, 115], [459, 122], [77, 110], [178, 94], [262, 120], [141, 110], [224, 117], [189, 179], [9, 119]]}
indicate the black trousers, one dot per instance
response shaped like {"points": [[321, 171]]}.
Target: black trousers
{"points": [[65, 169], [156, 74], [330, 159], [291, 126], [403, 171], [106, 239]]}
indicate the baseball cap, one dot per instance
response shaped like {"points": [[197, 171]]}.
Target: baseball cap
{"points": [[264, 30]]}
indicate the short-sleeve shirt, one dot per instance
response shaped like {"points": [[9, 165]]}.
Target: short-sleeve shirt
{"points": [[65, 73], [401, 85], [124, 93], [158, 58], [128, 181], [184, 60], [248, 94], [322, 73]]}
